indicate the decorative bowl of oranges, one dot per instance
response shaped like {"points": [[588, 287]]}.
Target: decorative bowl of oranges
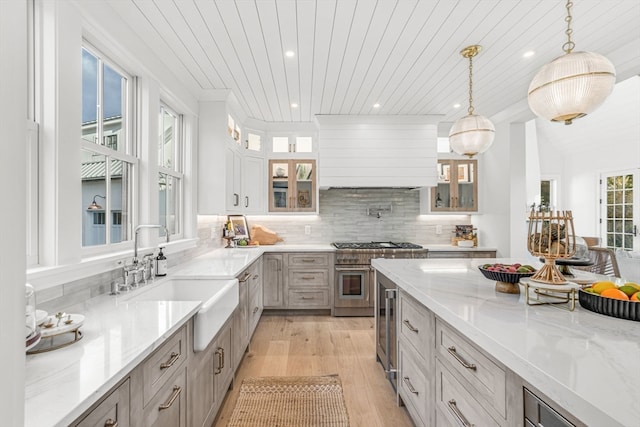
{"points": [[605, 297]]}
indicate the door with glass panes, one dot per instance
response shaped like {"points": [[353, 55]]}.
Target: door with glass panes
{"points": [[620, 210], [292, 185]]}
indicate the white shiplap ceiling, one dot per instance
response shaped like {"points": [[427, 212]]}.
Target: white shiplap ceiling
{"points": [[351, 54]]}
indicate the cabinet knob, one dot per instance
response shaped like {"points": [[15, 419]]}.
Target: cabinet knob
{"points": [[110, 423]]}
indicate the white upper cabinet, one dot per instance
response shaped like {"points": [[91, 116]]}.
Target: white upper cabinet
{"points": [[292, 144], [377, 151], [231, 176]]}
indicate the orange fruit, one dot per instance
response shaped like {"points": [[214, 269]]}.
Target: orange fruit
{"points": [[614, 293], [635, 297]]}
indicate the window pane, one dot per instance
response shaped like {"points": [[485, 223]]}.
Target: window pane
{"points": [[113, 87], [89, 96], [93, 190], [304, 144], [168, 200], [280, 144], [168, 137], [120, 200], [253, 142]]}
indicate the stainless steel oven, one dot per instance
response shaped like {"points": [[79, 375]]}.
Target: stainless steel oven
{"points": [[353, 286], [354, 292], [386, 334]]}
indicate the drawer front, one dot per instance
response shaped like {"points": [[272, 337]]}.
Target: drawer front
{"points": [[413, 386], [114, 410], [168, 359], [482, 373], [417, 326], [311, 298], [169, 407], [315, 278], [456, 406], [255, 311], [309, 259]]}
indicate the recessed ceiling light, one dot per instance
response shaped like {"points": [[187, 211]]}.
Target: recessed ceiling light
{"points": [[290, 54], [294, 105], [376, 105], [456, 105], [528, 54]]}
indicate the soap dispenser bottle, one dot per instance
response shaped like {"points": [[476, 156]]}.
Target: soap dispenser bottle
{"points": [[161, 264]]}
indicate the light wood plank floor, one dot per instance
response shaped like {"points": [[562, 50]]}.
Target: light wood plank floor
{"points": [[321, 345]]}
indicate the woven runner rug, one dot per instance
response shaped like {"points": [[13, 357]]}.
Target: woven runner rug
{"points": [[290, 402]]}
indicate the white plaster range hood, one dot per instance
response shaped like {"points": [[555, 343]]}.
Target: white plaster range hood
{"points": [[377, 151]]}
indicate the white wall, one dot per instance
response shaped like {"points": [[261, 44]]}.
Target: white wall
{"points": [[607, 140], [13, 118]]}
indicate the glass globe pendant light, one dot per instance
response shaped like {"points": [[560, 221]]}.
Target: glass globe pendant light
{"points": [[472, 134], [572, 85]]}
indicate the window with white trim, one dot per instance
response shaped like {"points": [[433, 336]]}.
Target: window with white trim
{"points": [[170, 170], [108, 158]]}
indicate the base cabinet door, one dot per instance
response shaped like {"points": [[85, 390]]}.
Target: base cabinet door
{"points": [[224, 368], [272, 281], [169, 406], [112, 411]]}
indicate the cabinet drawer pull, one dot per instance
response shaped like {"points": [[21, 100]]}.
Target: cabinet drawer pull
{"points": [[454, 353], [256, 277], [410, 326], [220, 354], [245, 277], [169, 363], [308, 277], [255, 310], [308, 260], [459, 415], [410, 386], [110, 423], [176, 392]]}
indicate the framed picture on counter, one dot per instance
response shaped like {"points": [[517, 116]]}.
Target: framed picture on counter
{"points": [[239, 225]]}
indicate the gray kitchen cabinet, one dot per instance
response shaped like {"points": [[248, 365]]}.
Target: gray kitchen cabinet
{"points": [[110, 412], [298, 280], [308, 280], [169, 406], [416, 386], [272, 280], [210, 374], [460, 253], [255, 302], [471, 385], [246, 316]]}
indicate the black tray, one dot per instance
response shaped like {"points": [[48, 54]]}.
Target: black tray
{"points": [[501, 276], [629, 310]]}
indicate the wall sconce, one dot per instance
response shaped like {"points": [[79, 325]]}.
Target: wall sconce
{"points": [[94, 206]]}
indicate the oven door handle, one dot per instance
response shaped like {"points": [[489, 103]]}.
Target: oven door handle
{"points": [[352, 268]]}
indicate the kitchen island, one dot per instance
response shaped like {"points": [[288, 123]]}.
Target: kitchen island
{"points": [[584, 362]]}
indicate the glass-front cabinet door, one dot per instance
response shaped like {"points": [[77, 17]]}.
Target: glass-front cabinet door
{"points": [[292, 186], [457, 189]]}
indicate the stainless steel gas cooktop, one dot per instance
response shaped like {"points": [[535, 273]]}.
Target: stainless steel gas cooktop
{"points": [[376, 245]]}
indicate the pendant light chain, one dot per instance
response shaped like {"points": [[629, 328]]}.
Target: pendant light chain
{"points": [[569, 45], [470, 110]]}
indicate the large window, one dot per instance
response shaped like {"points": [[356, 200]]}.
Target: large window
{"points": [[108, 160], [170, 176]]}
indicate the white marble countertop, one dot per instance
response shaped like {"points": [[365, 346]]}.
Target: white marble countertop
{"points": [[586, 362], [117, 336]]}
